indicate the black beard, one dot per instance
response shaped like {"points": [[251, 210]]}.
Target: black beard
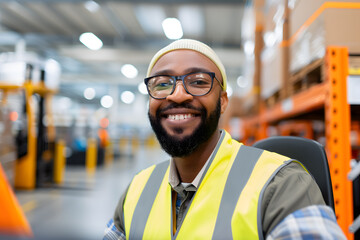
{"points": [[176, 147]]}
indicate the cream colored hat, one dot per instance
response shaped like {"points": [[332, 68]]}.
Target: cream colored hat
{"points": [[192, 45]]}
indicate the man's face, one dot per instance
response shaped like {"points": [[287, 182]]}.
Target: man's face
{"points": [[182, 122]]}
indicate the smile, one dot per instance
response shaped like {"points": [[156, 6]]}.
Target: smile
{"points": [[180, 116]]}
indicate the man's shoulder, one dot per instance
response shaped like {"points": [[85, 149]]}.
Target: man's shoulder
{"points": [[269, 155]]}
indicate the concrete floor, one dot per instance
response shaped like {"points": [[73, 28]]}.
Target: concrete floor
{"points": [[83, 204]]}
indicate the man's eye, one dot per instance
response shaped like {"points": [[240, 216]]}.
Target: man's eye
{"points": [[162, 85], [199, 82]]}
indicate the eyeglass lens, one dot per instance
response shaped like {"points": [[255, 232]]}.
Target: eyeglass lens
{"points": [[196, 84]]}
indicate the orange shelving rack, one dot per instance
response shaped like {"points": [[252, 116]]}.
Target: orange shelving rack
{"points": [[337, 130], [328, 101]]}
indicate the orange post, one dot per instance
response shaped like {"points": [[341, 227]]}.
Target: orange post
{"points": [[59, 162], [109, 153], [337, 123], [50, 127], [263, 124], [12, 218]]}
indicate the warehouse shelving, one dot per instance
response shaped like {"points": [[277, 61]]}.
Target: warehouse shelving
{"points": [[327, 102]]}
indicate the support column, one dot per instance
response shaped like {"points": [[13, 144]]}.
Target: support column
{"points": [[337, 123]]}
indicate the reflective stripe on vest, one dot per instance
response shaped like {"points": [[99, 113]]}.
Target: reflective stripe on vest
{"points": [[146, 201], [225, 206], [233, 188]]}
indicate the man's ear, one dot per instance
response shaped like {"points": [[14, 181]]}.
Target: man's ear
{"points": [[224, 101]]}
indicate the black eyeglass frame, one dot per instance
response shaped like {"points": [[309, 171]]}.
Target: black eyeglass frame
{"points": [[182, 77]]}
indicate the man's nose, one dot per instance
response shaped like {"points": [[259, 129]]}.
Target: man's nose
{"points": [[179, 95]]}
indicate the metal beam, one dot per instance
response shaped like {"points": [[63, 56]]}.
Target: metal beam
{"points": [[67, 23], [114, 21], [235, 2]]}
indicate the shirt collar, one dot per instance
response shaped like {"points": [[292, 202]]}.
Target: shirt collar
{"points": [[174, 178]]}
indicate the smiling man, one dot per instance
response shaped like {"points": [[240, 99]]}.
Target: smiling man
{"points": [[184, 114], [213, 187]]}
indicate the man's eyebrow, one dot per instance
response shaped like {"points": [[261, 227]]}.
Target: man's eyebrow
{"points": [[189, 70]]}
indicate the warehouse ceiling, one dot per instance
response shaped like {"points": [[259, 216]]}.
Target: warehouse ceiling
{"points": [[131, 32]]}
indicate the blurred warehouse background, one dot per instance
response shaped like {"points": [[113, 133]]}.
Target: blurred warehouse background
{"points": [[106, 81], [73, 115]]}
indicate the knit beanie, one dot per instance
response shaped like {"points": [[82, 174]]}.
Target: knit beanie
{"points": [[191, 45]]}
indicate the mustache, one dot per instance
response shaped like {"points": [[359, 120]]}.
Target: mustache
{"points": [[176, 105]]}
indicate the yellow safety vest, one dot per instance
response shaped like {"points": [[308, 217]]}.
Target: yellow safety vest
{"points": [[226, 204]]}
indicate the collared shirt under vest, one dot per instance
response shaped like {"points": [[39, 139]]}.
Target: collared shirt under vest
{"points": [[226, 204]]}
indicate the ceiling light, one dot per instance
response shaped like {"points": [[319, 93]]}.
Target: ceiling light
{"points": [[91, 41], [92, 6], [242, 82], [89, 93], [172, 28], [142, 88], [64, 103], [127, 97], [129, 71], [106, 101], [249, 48], [192, 20]]}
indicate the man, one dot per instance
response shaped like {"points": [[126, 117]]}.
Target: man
{"points": [[213, 187]]}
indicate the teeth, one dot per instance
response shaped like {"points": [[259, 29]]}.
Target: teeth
{"points": [[180, 116]]}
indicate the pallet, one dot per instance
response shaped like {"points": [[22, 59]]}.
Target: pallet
{"points": [[307, 77], [273, 99], [300, 81]]}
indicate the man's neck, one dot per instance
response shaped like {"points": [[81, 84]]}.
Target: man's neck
{"points": [[188, 167]]}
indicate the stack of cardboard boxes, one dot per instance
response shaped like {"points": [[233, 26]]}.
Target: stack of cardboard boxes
{"points": [[316, 24], [274, 57], [246, 98], [297, 33], [287, 36]]}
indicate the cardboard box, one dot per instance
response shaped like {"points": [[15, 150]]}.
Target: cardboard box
{"points": [[302, 10], [334, 26], [274, 74], [275, 55]]}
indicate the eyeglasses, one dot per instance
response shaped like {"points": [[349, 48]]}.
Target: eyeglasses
{"points": [[195, 84]]}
